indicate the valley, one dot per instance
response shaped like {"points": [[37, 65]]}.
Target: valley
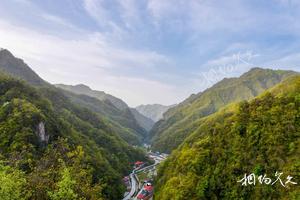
{"points": [[72, 142], [149, 100]]}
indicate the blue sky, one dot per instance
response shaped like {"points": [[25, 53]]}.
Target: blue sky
{"points": [[150, 51]]}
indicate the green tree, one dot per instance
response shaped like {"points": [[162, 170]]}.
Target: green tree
{"points": [[65, 187], [12, 184]]}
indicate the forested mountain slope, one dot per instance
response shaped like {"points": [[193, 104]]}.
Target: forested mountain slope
{"points": [[55, 142], [180, 121], [116, 110], [261, 136], [57, 147], [122, 121]]}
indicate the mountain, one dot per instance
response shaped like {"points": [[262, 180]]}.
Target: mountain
{"points": [[153, 111], [123, 122], [144, 121], [183, 119], [113, 108], [17, 68], [48, 138], [109, 107], [260, 136], [83, 89], [57, 144]]}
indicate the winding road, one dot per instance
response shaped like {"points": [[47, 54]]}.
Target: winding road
{"points": [[134, 186], [134, 181]]}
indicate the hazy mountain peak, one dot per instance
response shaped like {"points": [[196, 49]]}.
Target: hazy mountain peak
{"points": [[86, 90], [82, 86], [153, 111], [78, 88], [18, 68], [143, 121], [5, 51], [108, 99]]}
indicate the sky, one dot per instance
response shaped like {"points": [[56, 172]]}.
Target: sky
{"points": [[150, 51]]}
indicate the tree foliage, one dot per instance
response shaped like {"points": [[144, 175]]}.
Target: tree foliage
{"points": [[182, 120], [82, 156], [12, 183], [261, 136]]}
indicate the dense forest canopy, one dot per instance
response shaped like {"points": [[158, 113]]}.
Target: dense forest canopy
{"points": [[261, 136], [111, 109], [56, 148]]}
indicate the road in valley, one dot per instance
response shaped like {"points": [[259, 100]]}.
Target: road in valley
{"points": [[134, 186], [135, 190]]}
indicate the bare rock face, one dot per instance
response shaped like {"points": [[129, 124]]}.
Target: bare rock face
{"points": [[42, 133]]}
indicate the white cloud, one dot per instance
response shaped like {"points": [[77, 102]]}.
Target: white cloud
{"points": [[195, 18], [159, 9], [130, 30], [169, 11], [290, 61], [234, 59], [130, 13], [136, 91], [56, 20], [96, 10], [26, 2], [89, 60]]}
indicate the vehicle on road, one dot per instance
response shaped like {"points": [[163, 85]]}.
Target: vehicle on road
{"points": [[148, 182]]}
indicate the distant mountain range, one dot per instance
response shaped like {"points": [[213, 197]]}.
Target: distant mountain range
{"points": [[119, 104], [102, 96], [144, 121], [113, 109], [145, 118], [153, 111]]}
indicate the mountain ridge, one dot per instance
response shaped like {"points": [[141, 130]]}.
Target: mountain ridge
{"points": [[124, 121], [108, 99], [180, 120], [256, 136], [18, 68], [47, 132], [101, 95], [43, 133]]}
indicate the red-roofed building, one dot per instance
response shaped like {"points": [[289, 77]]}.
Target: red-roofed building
{"points": [[138, 164]]}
